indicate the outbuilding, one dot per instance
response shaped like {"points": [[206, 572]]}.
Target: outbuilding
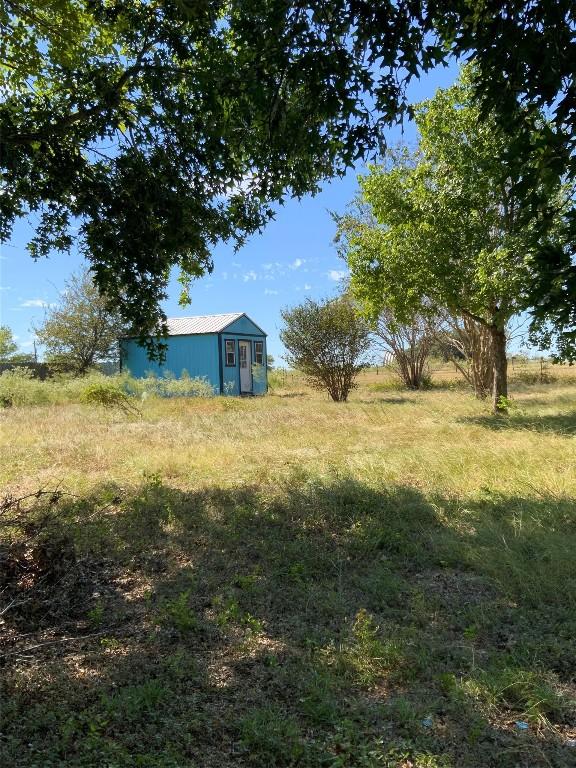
{"points": [[227, 350]]}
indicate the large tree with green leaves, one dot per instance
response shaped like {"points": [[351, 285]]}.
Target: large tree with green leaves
{"points": [[147, 130], [81, 330], [451, 232]]}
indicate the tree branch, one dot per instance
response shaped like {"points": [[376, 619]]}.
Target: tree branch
{"points": [[81, 115]]}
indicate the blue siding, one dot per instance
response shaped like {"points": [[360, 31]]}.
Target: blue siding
{"points": [[197, 354], [244, 325], [204, 355], [231, 375]]}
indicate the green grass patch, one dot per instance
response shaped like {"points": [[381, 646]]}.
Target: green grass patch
{"points": [[359, 586]]}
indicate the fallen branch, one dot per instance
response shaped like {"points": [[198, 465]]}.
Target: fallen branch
{"points": [[23, 651]]}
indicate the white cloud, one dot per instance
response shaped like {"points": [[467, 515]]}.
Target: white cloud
{"points": [[307, 287], [5, 288], [337, 274], [251, 275], [297, 263], [27, 344], [34, 303], [269, 292], [273, 268]]}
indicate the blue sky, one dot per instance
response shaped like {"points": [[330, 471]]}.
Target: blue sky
{"points": [[293, 258]]}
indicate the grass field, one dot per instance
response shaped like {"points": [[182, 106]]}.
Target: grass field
{"points": [[285, 581]]}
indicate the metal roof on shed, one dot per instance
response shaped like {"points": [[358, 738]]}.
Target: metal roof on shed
{"points": [[182, 326]]}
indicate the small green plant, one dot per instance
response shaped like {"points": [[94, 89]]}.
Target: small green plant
{"points": [[228, 611], [271, 737], [505, 404], [365, 657], [246, 582], [471, 632], [96, 614], [131, 702], [297, 573], [177, 613], [110, 643], [254, 625]]}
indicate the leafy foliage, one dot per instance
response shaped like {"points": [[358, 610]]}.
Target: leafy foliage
{"points": [[450, 232], [82, 330], [8, 346], [326, 341], [107, 394], [19, 387], [163, 127], [168, 386], [553, 295]]}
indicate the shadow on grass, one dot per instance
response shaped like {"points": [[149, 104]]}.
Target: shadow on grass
{"points": [[560, 424], [316, 623], [285, 395], [384, 400]]}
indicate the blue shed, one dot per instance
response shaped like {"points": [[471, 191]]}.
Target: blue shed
{"points": [[228, 350]]}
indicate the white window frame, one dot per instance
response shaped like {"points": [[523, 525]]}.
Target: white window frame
{"points": [[230, 352]]}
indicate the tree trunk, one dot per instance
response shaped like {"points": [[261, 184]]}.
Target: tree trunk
{"points": [[482, 362], [500, 381]]}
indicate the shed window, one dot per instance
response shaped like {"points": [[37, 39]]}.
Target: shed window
{"points": [[230, 352], [259, 352]]}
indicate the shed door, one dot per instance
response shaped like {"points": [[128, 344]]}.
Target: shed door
{"points": [[244, 350]]}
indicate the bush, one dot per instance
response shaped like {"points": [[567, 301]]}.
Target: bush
{"points": [[527, 376], [19, 387], [327, 342], [408, 346], [167, 386], [106, 393]]}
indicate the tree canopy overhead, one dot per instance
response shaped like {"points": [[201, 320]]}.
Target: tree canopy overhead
{"points": [[159, 127]]}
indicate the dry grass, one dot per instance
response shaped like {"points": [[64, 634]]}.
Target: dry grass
{"points": [[288, 581], [440, 440]]}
